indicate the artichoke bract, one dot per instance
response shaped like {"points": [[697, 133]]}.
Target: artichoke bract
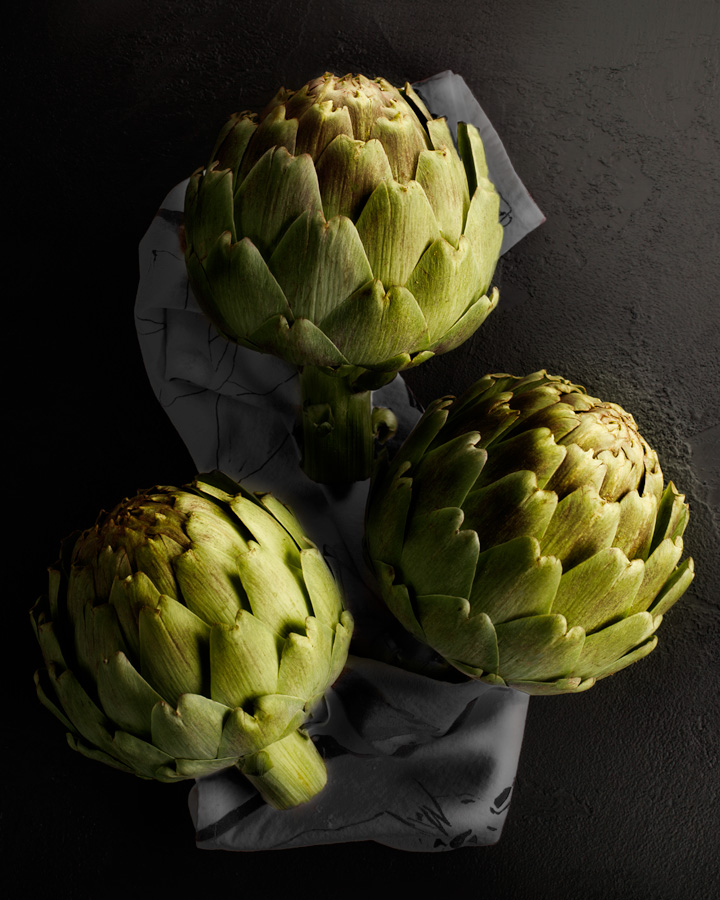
{"points": [[524, 532], [342, 231], [192, 630]]}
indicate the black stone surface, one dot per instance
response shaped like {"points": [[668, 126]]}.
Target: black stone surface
{"points": [[611, 115]]}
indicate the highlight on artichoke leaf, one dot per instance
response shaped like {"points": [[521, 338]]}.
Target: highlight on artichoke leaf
{"points": [[192, 630], [524, 532], [342, 231]]}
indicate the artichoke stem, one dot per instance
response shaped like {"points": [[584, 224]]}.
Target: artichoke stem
{"points": [[337, 428], [288, 772]]}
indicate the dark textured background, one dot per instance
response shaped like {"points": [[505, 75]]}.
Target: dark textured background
{"points": [[611, 115]]}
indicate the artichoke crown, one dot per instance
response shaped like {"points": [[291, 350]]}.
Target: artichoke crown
{"points": [[189, 630], [565, 544], [341, 228]]}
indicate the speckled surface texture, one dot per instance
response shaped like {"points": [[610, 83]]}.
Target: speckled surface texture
{"points": [[611, 115]]}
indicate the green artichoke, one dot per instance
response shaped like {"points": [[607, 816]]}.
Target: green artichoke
{"points": [[342, 232], [524, 533], [192, 630]]}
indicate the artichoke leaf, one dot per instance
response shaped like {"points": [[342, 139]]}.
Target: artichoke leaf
{"points": [[301, 668], [397, 597], [472, 153], [671, 516], [151, 557], [402, 138], [275, 716], [509, 507], [273, 131], [628, 659], [241, 735], [538, 648], [319, 264], [128, 596], [386, 522], [622, 473], [205, 515], [210, 584], [90, 752], [659, 567], [143, 758], [301, 343], [245, 294], [446, 474], [373, 326], [199, 768], [580, 467], [553, 688], [492, 388], [348, 172], [599, 589], [441, 137], [606, 647], [653, 478], [266, 529], [452, 630], [47, 695], [244, 660], [208, 210], [173, 644], [275, 592], [635, 528], [583, 525], [384, 372], [446, 188], [50, 645], [423, 434], [287, 518], [324, 592], [512, 581], [232, 142], [534, 450], [445, 283], [86, 718], [305, 661], [489, 409], [415, 102], [361, 105], [81, 590], [97, 635], [415, 360], [467, 324], [540, 406], [215, 485], [484, 231], [474, 672], [341, 646], [125, 695], [277, 189], [438, 535], [319, 125], [396, 226], [674, 587], [192, 731]]}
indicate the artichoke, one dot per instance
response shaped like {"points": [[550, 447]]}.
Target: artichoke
{"points": [[524, 533], [342, 231], [192, 630]]}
